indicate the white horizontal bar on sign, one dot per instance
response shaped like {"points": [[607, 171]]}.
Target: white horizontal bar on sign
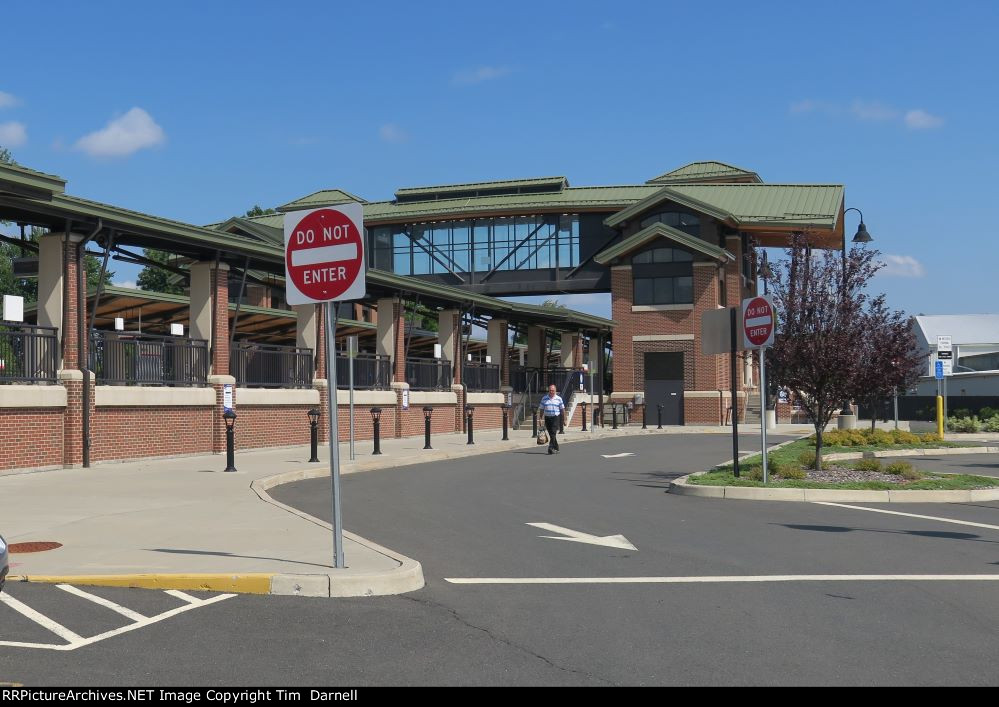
{"points": [[324, 254], [759, 321]]}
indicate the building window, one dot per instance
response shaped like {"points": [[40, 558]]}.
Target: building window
{"points": [[663, 276], [688, 223]]}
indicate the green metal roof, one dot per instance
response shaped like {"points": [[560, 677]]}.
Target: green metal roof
{"points": [[507, 186], [568, 200], [22, 181], [323, 197], [806, 205], [661, 230], [703, 171]]}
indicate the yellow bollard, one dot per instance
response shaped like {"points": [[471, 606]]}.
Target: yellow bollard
{"points": [[940, 420]]}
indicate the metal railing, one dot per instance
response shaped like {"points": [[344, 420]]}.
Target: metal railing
{"points": [[266, 366], [481, 377], [28, 353], [428, 374], [146, 359], [371, 371], [561, 377]]}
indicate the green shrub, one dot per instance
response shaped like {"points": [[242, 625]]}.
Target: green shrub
{"points": [[755, 473], [790, 471], [986, 413], [880, 437], [912, 475], [991, 424], [961, 412], [964, 424], [807, 459], [857, 438], [928, 437], [904, 437], [898, 468], [867, 465]]}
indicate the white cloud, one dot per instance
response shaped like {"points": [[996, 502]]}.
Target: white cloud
{"points": [[130, 284], [902, 266], [806, 105], [919, 119], [479, 74], [873, 110], [134, 131], [8, 101], [13, 134], [390, 132]]}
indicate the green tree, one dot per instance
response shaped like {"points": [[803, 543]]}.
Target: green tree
{"points": [[155, 279], [257, 211]]}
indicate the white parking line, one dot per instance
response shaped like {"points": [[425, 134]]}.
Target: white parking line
{"points": [[74, 641], [182, 596], [44, 621], [135, 616], [910, 515], [734, 579]]}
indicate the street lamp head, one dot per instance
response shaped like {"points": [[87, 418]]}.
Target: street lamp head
{"points": [[862, 235], [376, 414], [313, 416], [427, 412], [230, 419]]}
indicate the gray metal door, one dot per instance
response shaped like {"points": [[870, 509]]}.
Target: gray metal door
{"points": [[664, 386]]}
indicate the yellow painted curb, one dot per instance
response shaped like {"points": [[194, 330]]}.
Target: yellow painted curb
{"points": [[237, 583]]}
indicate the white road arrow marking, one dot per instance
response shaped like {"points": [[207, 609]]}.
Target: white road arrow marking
{"points": [[617, 456], [577, 537]]}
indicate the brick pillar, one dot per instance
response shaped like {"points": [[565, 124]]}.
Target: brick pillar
{"points": [[577, 351], [459, 410], [220, 320], [71, 375], [397, 430], [399, 357], [321, 363], [320, 384]]}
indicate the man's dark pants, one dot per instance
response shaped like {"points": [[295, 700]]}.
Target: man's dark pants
{"points": [[551, 424]]}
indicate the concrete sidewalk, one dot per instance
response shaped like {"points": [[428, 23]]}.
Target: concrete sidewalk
{"points": [[182, 523]]}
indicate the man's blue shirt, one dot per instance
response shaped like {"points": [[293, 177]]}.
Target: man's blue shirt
{"points": [[553, 406]]}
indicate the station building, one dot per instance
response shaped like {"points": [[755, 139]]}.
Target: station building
{"points": [[107, 375]]}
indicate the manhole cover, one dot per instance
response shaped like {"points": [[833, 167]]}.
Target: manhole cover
{"points": [[17, 548]]}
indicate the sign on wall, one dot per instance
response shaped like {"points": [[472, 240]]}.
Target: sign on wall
{"points": [[324, 254]]}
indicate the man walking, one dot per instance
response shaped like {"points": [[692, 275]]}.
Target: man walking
{"points": [[553, 408]]}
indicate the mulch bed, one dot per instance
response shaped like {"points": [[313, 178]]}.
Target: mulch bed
{"points": [[838, 475]]}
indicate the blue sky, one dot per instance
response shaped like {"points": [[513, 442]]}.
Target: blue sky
{"points": [[197, 111]]}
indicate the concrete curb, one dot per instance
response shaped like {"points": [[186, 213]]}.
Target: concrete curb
{"points": [[943, 451], [255, 583], [407, 577], [754, 493]]}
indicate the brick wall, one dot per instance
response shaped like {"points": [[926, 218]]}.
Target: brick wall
{"points": [[134, 432], [441, 422], [271, 425], [31, 437]]}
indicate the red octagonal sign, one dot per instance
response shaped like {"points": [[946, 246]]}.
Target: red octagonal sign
{"points": [[324, 254], [758, 322]]}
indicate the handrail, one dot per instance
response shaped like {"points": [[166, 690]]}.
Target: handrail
{"points": [[28, 353]]}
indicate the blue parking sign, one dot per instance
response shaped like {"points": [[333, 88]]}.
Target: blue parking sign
{"points": [[939, 370]]}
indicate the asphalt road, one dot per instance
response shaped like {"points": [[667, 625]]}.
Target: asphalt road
{"points": [[468, 520], [975, 464]]}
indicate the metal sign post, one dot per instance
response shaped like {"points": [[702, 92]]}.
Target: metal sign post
{"points": [[351, 353], [324, 263], [331, 322]]}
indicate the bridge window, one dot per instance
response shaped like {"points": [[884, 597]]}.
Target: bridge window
{"points": [[511, 243]]}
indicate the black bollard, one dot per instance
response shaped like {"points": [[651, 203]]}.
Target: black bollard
{"points": [[470, 411], [660, 413], [506, 436], [613, 416], [584, 416], [314, 434], [645, 414], [561, 423], [376, 417], [534, 425], [230, 440], [427, 412]]}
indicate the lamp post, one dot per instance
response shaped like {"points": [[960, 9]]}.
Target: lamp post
{"points": [[376, 416], [230, 440], [427, 412], [583, 404], [506, 413], [861, 236], [470, 413], [314, 434]]}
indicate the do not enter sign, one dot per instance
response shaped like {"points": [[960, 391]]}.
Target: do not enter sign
{"points": [[324, 254], [758, 322]]}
